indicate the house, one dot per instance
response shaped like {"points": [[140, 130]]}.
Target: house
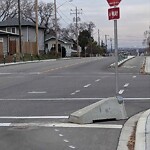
{"points": [[50, 43], [6, 42], [28, 30]]}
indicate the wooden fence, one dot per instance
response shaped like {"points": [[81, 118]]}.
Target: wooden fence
{"points": [[27, 47], [1, 48]]}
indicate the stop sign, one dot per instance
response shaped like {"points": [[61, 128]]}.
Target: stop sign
{"points": [[113, 2]]}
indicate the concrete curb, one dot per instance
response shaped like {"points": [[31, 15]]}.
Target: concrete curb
{"points": [[26, 62], [127, 131], [140, 143], [147, 65], [122, 62]]}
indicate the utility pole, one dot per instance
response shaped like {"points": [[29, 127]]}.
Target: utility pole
{"points": [[37, 30], [98, 38], [111, 44], [19, 22], [106, 41], [77, 19], [56, 25]]}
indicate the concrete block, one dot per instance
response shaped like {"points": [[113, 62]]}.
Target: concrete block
{"points": [[109, 108]]}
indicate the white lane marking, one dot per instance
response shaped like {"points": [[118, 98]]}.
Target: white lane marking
{"points": [[71, 99], [71, 146], [5, 124], [86, 86], [21, 73], [135, 99], [121, 92], [37, 92], [134, 76], [126, 85], [66, 141], [72, 93], [32, 73], [97, 80], [77, 91], [34, 117], [61, 135], [5, 73], [63, 125], [56, 130]]}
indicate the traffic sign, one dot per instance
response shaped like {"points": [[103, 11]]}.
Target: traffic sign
{"points": [[113, 2], [114, 13]]}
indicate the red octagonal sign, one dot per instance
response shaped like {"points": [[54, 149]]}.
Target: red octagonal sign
{"points": [[113, 2]]}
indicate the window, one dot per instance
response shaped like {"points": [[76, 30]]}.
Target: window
{"points": [[11, 29], [8, 29], [1, 39]]}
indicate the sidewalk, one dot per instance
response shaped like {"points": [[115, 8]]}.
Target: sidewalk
{"points": [[26, 62]]}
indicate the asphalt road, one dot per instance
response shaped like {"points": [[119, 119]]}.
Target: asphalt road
{"points": [[34, 97]]}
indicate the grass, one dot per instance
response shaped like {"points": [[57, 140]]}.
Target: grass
{"points": [[26, 57]]}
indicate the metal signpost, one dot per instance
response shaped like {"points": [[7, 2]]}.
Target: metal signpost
{"points": [[114, 14]]}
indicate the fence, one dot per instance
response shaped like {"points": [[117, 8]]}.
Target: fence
{"points": [[27, 47]]}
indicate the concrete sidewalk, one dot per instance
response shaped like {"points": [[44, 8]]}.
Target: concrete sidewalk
{"points": [[26, 62]]}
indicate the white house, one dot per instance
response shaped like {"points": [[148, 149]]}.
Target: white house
{"points": [[51, 41]]}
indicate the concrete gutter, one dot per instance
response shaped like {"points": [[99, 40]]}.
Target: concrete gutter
{"points": [[140, 142], [127, 131], [122, 61]]}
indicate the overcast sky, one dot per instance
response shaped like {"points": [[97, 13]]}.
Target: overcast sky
{"points": [[135, 18]]}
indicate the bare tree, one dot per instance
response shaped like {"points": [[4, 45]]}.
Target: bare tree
{"points": [[27, 10], [8, 8], [45, 13], [146, 40], [70, 31]]}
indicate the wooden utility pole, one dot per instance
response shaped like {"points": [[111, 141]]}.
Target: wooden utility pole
{"points": [[19, 22], [37, 30], [106, 42], [77, 19], [56, 29], [99, 38]]}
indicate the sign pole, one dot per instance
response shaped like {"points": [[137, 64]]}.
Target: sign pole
{"points": [[114, 14], [116, 54]]}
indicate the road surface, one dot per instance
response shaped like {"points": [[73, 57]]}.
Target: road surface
{"points": [[37, 98]]}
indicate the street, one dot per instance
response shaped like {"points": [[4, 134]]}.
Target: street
{"points": [[37, 98]]}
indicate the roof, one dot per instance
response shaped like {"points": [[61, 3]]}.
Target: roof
{"points": [[8, 33], [13, 22], [48, 38]]}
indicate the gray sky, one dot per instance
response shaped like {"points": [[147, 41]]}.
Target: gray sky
{"points": [[135, 18]]}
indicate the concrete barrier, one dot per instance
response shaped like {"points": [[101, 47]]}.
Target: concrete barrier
{"points": [[109, 108]]}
